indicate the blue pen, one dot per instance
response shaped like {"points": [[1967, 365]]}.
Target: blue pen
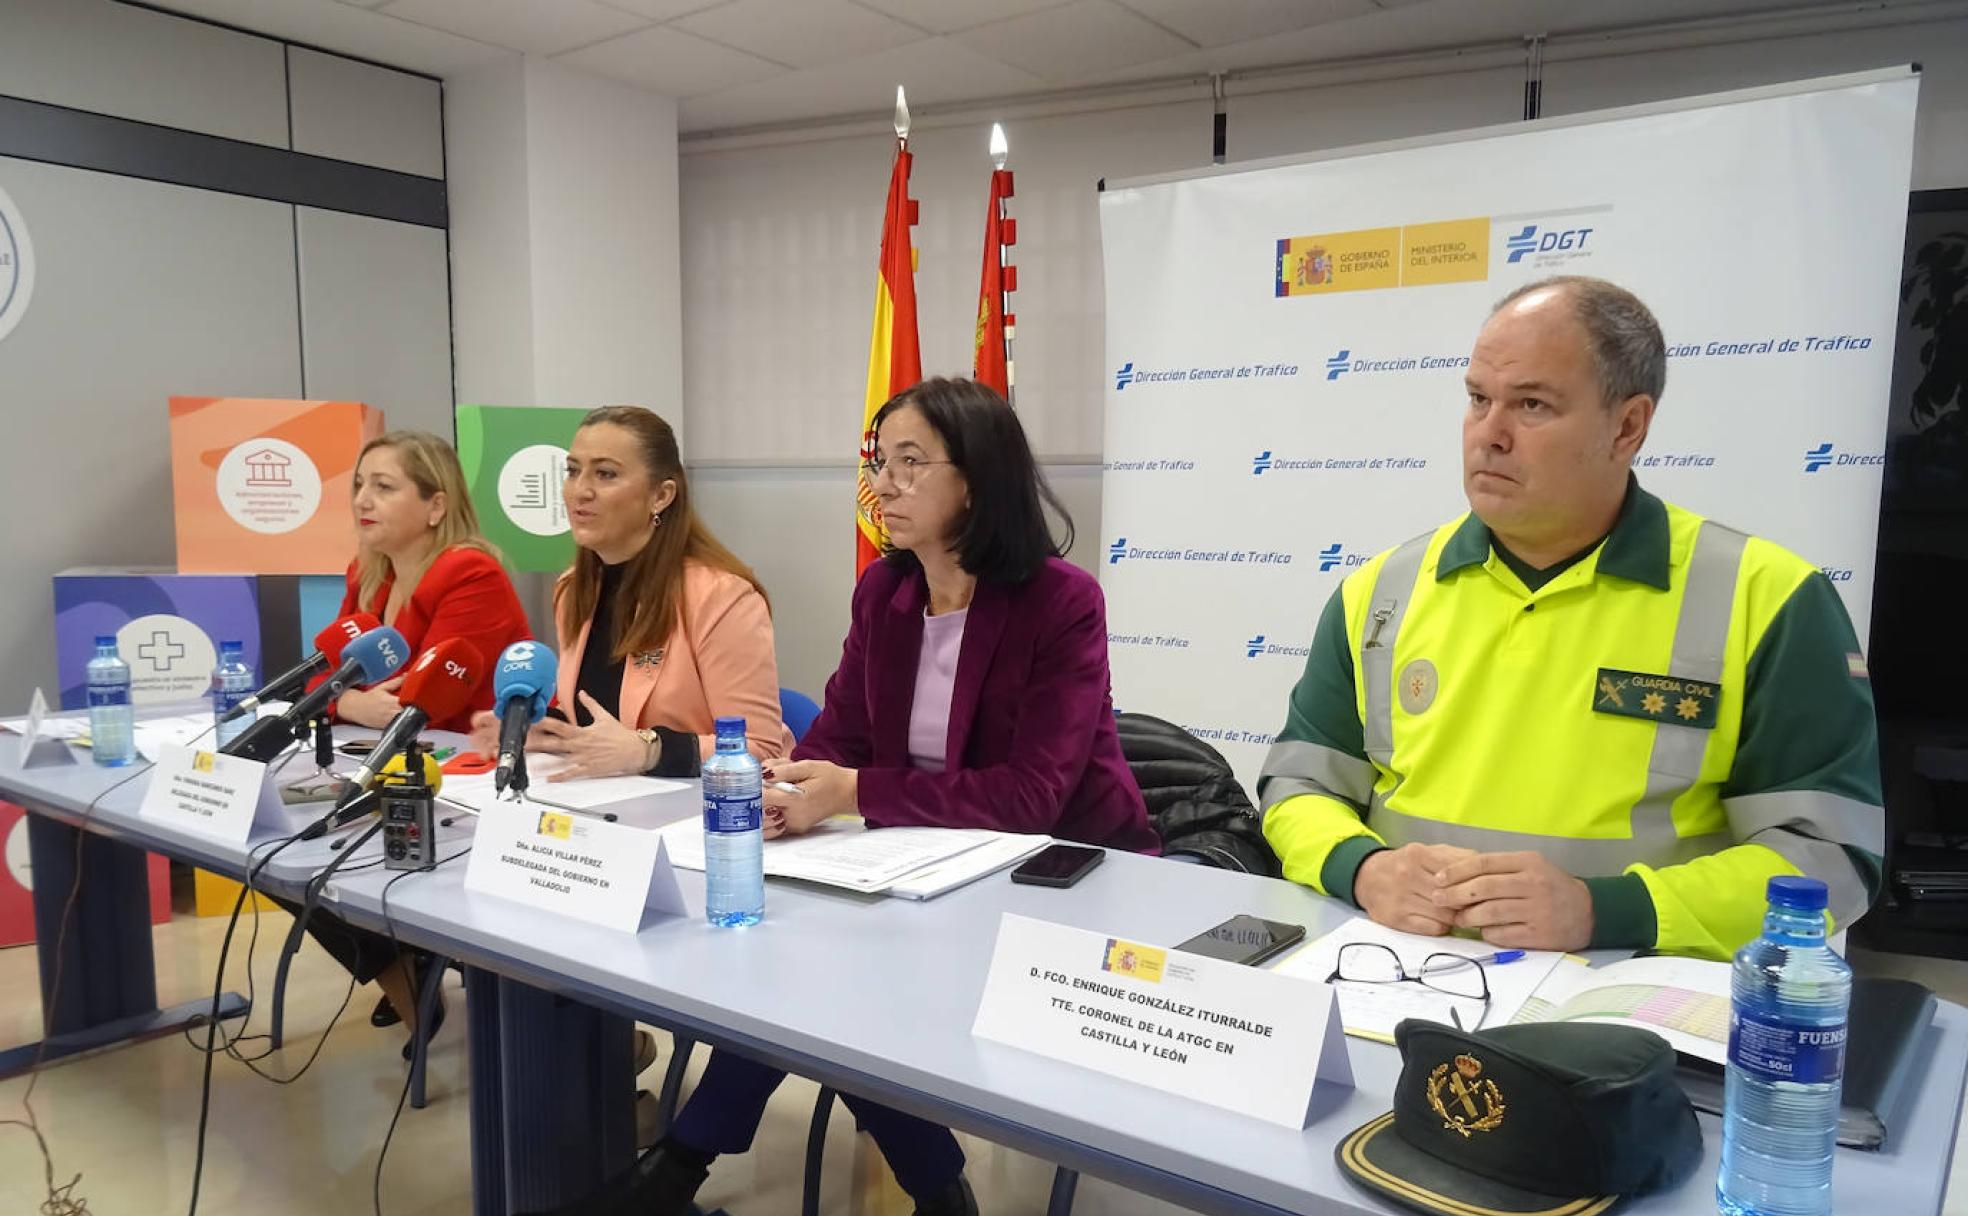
{"points": [[1488, 960]]}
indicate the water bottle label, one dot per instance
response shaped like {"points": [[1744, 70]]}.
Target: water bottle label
{"points": [[224, 699], [110, 694], [745, 814], [1773, 1051]]}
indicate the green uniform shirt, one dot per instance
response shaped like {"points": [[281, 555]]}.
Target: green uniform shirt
{"points": [[1675, 718]]}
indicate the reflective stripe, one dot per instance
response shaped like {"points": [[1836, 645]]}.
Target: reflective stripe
{"points": [[1701, 633], [1392, 591], [1294, 766], [1828, 817], [1586, 858], [1823, 860]]}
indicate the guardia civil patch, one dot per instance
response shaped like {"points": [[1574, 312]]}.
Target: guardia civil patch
{"points": [[1635, 694]]}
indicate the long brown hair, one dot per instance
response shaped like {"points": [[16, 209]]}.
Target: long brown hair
{"points": [[431, 464], [650, 602]]}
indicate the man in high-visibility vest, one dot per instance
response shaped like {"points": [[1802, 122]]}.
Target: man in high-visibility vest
{"points": [[1578, 716]]}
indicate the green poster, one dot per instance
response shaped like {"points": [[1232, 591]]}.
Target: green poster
{"points": [[513, 458]]}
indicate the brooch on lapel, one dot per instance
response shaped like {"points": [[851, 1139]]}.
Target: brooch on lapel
{"points": [[646, 660]]}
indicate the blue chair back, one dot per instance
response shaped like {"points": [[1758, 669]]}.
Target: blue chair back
{"points": [[798, 711]]}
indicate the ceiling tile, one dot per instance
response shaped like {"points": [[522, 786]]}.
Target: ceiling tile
{"points": [[1064, 45], [668, 61], [948, 16], [662, 10], [934, 70], [800, 33], [537, 27], [1220, 22]]}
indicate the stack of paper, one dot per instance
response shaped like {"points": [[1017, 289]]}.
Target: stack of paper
{"points": [[627, 797], [914, 863]]}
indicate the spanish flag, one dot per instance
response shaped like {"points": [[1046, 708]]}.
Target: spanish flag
{"points": [[894, 358], [992, 364]]}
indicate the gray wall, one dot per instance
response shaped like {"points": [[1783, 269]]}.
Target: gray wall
{"points": [[145, 290], [796, 528]]}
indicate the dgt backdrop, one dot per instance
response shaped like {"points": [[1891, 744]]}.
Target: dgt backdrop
{"points": [[1288, 341]]}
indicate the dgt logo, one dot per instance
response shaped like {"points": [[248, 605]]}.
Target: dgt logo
{"points": [[1551, 240], [1339, 364], [1817, 457], [1329, 557], [1124, 376], [1254, 647], [1117, 551], [1260, 462]]}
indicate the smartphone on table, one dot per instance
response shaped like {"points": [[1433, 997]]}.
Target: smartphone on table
{"points": [[1058, 865], [1245, 939]]}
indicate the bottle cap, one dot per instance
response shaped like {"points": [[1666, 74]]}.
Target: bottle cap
{"points": [[731, 726], [232, 647], [105, 639], [1803, 894]]}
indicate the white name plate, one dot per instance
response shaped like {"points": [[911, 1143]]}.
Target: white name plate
{"points": [[210, 794], [1232, 1036], [608, 874]]}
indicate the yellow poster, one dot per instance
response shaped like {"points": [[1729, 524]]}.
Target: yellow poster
{"points": [[1339, 261], [1454, 251]]}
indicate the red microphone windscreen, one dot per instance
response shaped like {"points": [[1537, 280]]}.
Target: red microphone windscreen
{"points": [[444, 680], [331, 640]]}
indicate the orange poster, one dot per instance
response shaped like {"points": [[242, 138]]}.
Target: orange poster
{"points": [[262, 486]]}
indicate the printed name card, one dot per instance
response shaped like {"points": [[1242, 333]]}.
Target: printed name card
{"points": [[608, 874], [1236, 1037], [210, 794]]}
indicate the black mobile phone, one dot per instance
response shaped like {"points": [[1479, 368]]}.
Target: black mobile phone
{"points": [[356, 747], [1245, 939], [1058, 865]]}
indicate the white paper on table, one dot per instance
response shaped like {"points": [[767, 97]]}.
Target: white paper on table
{"points": [[843, 852], [476, 791], [1371, 1011], [49, 728], [153, 735], [1007, 850], [1683, 1000]]}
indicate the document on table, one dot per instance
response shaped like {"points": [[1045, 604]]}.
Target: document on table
{"points": [[915, 863], [1371, 1011], [476, 791]]}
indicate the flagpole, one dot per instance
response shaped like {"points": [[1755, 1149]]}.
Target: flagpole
{"points": [[1000, 154]]}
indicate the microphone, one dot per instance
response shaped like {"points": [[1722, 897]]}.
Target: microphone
{"points": [[328, 646], [363, 802], [521, 687], [373, 656], [441, 684]]}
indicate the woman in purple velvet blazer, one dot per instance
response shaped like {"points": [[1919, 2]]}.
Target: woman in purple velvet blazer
{"points": [[972, 693]]}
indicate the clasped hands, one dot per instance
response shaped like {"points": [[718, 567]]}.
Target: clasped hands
{"points": [[1518, 901]]}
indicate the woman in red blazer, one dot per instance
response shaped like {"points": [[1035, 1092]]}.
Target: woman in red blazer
{"points": [[423, 568], [972, 693]]}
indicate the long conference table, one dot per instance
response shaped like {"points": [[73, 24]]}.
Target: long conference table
{"points": [[868, 995]]}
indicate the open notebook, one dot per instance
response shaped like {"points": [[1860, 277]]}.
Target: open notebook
{"points": [[912, 863]]}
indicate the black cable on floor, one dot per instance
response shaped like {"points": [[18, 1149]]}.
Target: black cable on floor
{"points": [[390, 926]]}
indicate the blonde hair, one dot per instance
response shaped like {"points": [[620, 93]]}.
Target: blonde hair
{"points": [[432, 466]]}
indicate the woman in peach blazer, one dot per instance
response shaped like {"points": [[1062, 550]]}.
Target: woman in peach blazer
{"points": [[687, 627]]}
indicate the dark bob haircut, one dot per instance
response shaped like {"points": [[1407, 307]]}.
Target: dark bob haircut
{"points": [[1004, 537]]}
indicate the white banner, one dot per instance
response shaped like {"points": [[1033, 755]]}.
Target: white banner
{"points": [[1287, 344]]}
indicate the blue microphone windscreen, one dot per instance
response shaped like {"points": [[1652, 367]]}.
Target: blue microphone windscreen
{"points": [[380, 651], [526, 669]]}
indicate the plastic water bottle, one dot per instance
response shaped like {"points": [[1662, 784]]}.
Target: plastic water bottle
{"points": [[734, 839], [112, 717], [232, 682], [1790, 995]]}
